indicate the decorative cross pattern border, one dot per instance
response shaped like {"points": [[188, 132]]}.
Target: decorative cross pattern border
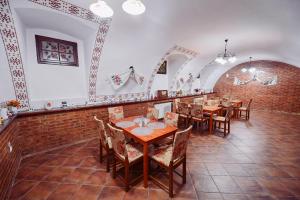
{"points": [[12, 49], [174, 50], [83, 13]]}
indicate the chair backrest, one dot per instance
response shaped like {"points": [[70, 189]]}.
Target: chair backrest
{"points": [[176, 101], [205, 98], [212, 102], [180, 143], [115, 113], [197, 110], [228, 113], [102, 130], [183, 108], [249, 104], [171, 119], [152, 113], [118, 141], [199, 101]]}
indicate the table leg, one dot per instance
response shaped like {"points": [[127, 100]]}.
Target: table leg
{"points": [[210, 123], [146, 165]]}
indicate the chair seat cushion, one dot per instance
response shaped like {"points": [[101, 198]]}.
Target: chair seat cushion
{"points": [[243, 108], [219, 118], [133, 152], [199, 119], [183, 115], [162, 154]]}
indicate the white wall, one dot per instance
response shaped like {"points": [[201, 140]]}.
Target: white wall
{"points": [[54, 82], [160, 82], [6, 86]]}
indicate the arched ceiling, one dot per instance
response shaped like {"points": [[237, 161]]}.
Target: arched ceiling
{"points": [[264, 29]]}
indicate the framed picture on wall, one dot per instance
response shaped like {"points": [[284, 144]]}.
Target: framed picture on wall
{"points": [[55, 51], [163, 68]]}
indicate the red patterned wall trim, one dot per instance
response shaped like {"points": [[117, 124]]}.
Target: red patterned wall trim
{"points": [[13, 54], [95, 62], [83, 13], [174, 50], [69, 8]]}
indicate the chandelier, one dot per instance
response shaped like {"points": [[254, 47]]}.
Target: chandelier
{"points": [[102, 9], [225, 57], [249, 68]]}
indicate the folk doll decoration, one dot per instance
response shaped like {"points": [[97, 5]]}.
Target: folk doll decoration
{"points": [[119, 80]]}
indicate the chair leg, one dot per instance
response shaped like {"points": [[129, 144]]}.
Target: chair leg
{"points": [[225, 123], [228, 126], [114, 167], [107, 159], [184, 171], [126, 177], [171, 181], [101, 152]]}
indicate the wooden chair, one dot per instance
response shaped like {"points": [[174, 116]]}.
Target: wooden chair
{"points": [[246, 110], [170, 157], [115, 113], [171, 118], [152, 113], [126, 153], [223, 120], [105, 142], [176, 101], [197, 116], [184, 113]]}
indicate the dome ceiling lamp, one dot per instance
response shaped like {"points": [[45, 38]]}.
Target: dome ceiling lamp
{"points": [[101, 9], [134, 7], [249, 68], [225, 57]]}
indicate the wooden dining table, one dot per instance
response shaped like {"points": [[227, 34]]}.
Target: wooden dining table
{"points": [[145, 140]]}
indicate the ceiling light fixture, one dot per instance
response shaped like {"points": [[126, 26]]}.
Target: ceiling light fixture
{"points": [[225, 57], [133, 7], [251, 69], [101, 9]]}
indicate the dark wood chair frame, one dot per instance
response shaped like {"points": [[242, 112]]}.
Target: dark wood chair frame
{"points": [[247, 111], [170, 169], [226, 123]]}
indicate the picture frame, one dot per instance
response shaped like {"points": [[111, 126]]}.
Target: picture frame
{"points": [[54, 51], [163, 68]]}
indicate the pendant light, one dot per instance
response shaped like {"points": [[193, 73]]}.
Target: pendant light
{"points": [[133, 7], [225, 57], [101, 9]]}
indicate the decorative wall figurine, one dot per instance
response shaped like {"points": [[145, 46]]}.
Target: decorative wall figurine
{"points": [[118, 80], [163, 68], [260, 76]]}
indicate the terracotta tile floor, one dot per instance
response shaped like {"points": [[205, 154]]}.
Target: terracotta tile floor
{"points": [[260, 159]]}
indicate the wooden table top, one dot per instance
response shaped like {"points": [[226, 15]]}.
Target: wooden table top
{"points": [[211, 108], [155, 135]]}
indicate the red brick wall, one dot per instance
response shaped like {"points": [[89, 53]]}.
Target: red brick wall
{"points": [[285, 96], [9, 161]]}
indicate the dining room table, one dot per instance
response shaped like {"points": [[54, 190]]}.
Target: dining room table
{"points": [[144, 133]]}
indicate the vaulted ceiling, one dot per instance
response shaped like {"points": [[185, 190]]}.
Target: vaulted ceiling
{"points": [[263, 29]]}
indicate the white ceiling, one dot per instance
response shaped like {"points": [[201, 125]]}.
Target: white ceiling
{"points": [[264, 29]]}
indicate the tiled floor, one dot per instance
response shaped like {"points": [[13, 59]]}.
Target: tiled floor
{"points": [[260, 159]]}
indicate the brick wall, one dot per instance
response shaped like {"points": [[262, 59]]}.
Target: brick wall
{"points": [[30, 134], [9, 161], [285, 96]]}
